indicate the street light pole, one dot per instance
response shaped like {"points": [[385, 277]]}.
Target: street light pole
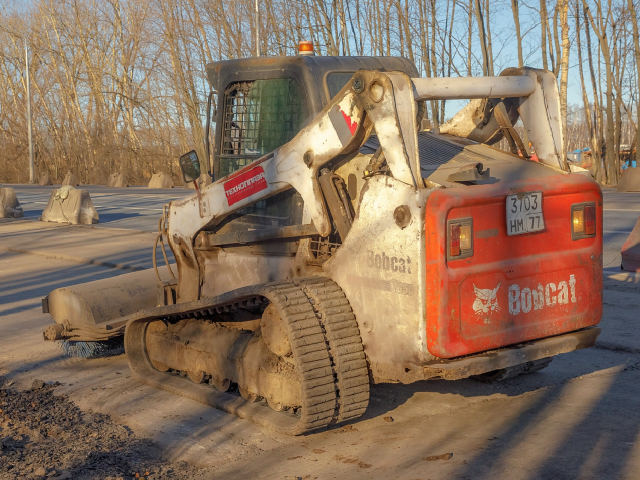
{"points": [[257, 30], [29, 132]]}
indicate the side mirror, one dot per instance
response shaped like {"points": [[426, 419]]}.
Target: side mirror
{"points": [[190, 166]]}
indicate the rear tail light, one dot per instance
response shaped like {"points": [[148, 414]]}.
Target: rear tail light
{"points": [[454, 240], [460, 238], [583, 220], [590, 219]]}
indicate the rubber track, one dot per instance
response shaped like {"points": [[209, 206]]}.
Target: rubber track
{"points": [[345, 345], [310, 351], [310, 354]]}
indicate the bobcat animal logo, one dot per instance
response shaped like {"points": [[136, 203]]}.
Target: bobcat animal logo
{"points": [[486, 300]]}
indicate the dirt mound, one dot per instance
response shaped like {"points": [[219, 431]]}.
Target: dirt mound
{"points": [[48, 436]]}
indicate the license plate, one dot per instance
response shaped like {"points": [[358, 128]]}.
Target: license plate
{"points": [[524, 213]]}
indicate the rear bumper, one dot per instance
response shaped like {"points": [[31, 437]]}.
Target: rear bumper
{"points": [[455, 369]]}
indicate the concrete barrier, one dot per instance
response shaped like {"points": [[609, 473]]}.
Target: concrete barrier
{"points": [[68, 205], [117, 180], [9, 204], [161, 180], [630, 180], [70, 179], [44, 179]]}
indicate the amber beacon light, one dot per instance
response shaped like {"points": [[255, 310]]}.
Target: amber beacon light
{"points": [[305, 47]]}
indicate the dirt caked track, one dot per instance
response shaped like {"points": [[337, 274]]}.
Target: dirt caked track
{"points": [[324, 340]]}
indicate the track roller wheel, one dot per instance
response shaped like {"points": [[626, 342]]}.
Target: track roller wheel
{"points": [[196, 377], [248, 396], [278, 407], [157, 326], [221, 385], [161, 367]]}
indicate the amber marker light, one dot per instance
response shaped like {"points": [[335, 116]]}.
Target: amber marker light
{"points": [[578, 221], [305, 47]]}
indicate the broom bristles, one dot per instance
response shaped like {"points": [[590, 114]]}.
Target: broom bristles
{"points": [[76, 349]]}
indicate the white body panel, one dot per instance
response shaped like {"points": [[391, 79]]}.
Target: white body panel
{"points": [[380, 267]]}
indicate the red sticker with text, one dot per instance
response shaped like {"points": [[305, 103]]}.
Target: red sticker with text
{"points": [[245, 185]]}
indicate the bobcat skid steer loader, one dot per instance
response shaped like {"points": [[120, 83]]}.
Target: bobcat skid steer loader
{"points": [[340, 244]]}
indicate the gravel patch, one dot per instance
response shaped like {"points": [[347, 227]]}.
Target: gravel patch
{"points": [[44, 436]]}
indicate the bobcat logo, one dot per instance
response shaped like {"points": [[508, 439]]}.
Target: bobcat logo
{"points": [[486, 300]]}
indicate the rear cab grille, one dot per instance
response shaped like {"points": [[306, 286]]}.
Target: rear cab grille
{"points": [[512, 288]]}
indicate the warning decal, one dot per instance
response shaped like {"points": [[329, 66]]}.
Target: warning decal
{"points": [[342, 123], [245, 185], [351, 125]]}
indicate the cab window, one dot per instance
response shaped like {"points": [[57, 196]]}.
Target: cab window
{"points": [[337, 80], [259, 116]]}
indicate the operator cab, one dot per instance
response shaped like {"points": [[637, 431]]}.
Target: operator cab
{"points": [[264, 102]]}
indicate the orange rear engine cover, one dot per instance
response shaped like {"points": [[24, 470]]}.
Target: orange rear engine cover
{"points": [[513, 288]]}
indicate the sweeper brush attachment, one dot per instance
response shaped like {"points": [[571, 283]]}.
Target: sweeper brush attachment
{"points": [[107, 348], [90, 318]]}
